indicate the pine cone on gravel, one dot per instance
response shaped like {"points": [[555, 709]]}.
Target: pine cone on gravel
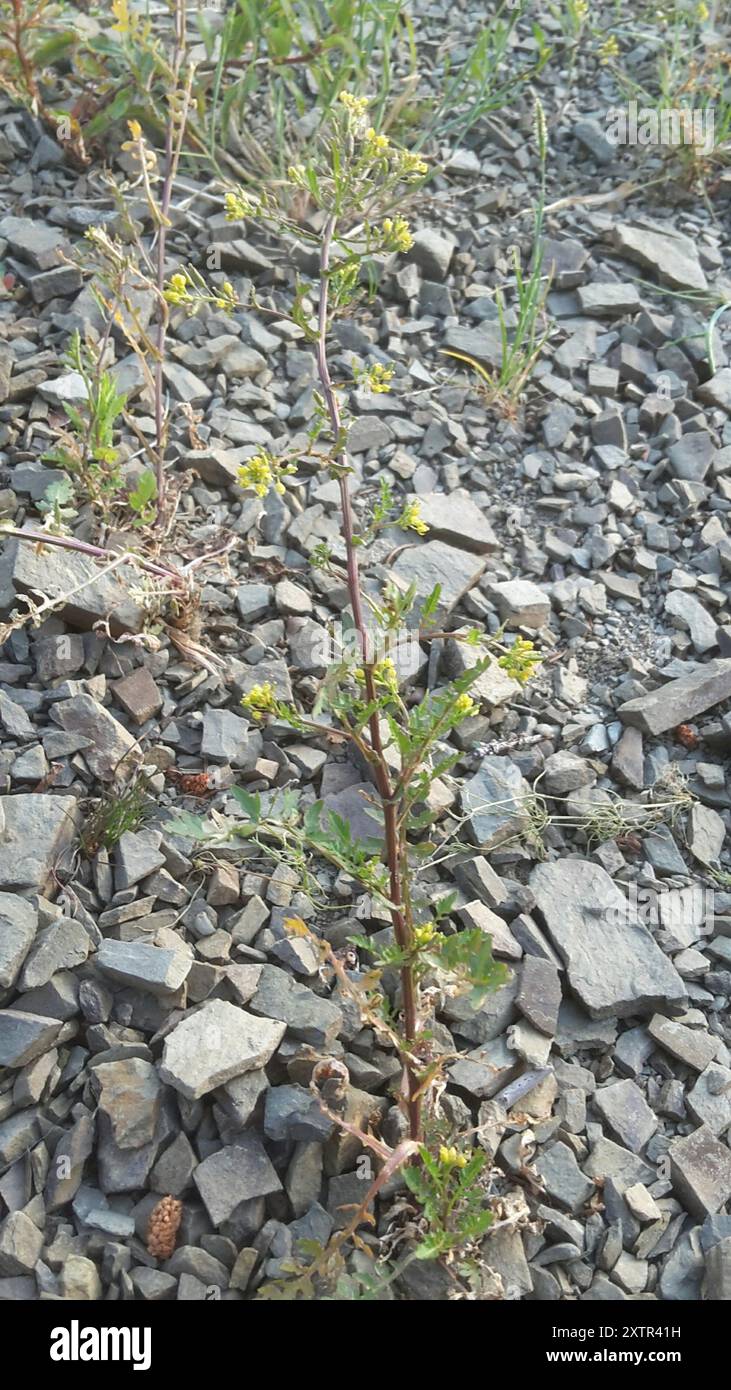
{"points": [[163, 1228]]}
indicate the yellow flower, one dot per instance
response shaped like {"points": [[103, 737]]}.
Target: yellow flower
{"points": [[424, 935], [357, 105], [375, 143], [176, 290], [396, 234], [385, 674], [702, 12], [465, 706], [376, 379], [260, 700], [609, 49], [135, 129], [238, 206], [451, 1157], [409, 165], [257, 473], [227, 298], [262, 472], [521, 661], [411, 519]]}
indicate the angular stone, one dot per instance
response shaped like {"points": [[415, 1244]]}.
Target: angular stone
{"points": [[494, 799], [435, 563], [521, 603], [700, 1171], [137, 854], [608, 299], [35, 831], [494, 687], [455, 518], [138, 695], [24, 1036], [680, 700], [613, 963], [215, 1044], [484, 343], [18, 924], [60, 946], [709, 1101], [112, 751], [562, 1177], [669, 254], [56, 572], [627, 1113], [67, 1168], [20, 1244], [307, 1016], [690, 615], [235, 1174], [610, 1160], [693, 1046], [539, 994], [486, 1070], [717, 391], [504, 945], [432, 253], [706, 834], [173, 1172], [129, 1094], [143, 966], [482, 1025]]}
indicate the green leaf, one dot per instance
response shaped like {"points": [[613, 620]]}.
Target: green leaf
{"points": [[250, 804]]}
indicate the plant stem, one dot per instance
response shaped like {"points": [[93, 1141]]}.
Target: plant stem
{"points": [[173, 148], [396, 849]]}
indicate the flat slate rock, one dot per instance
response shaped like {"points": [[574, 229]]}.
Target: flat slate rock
{"points": [[143, 966], [215, 1044], [679, 700], [233, 1175], [457, 519], [436, 563], [92, 594], [18, 925], [613, 964], [37, 829], [700, 1171]]}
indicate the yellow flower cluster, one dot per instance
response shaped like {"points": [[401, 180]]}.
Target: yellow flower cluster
{"points": [[609, 49], [260, 700], [409, 165], [263, 472], [384, 675], [396, 234], [465, 706], [521, 661], [356, 105], [411, 519], [376, 144], [376, 378], [238, 206], [424, 935], [452, 1158], [227, 297], [177, 290]]}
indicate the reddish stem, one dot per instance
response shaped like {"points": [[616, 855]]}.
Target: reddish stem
{"points": [[402, 930]]}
